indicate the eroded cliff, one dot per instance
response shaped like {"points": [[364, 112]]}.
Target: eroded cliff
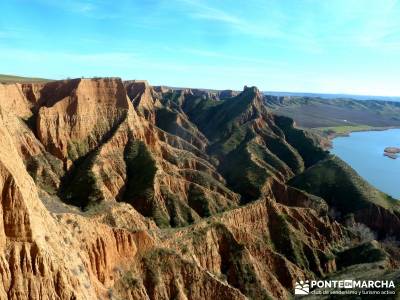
{"points": [[116, 190]]}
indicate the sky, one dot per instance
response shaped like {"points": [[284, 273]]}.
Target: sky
{"points": [[326, 46]]}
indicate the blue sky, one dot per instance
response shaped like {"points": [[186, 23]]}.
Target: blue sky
{"points": [[346, 46]]}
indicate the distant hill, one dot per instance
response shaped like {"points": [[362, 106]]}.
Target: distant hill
{"points": [[333, 96], [316, 112], [20, 79]]}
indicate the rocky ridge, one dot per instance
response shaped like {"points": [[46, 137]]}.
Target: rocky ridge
{"points": [[116, 190]]}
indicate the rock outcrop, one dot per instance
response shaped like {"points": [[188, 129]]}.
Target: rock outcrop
{"points": [[391, 152]]}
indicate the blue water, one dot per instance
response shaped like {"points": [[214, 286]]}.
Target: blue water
{"points": [[364, 152]]}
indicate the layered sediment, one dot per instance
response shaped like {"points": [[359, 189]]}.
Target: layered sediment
{"points": [[117, 190]]}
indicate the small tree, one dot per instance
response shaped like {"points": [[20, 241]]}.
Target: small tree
{"points": [[363, 232]]}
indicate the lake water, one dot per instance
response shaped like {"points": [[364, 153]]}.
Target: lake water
{"points": [[364, 152]]}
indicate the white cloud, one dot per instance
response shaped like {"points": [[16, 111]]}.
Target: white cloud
{"points": [[311, 26], [199, 10]]}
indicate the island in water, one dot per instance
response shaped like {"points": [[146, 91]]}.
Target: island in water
{"points": [[391, 152]]}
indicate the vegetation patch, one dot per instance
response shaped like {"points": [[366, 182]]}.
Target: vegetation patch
{"points": [[243, 175], [301, 141], [140, 170], [337, 183], [20, 79], [365, 253], [286, 153], [287, 243], [83, 188], [179, 212], [45, 169], [344, 130], [199, 201]]}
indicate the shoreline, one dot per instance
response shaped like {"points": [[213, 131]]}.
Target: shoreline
{"points": [[345, 134], [326, 142]]}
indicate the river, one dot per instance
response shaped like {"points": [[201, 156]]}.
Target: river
{"points": [[364, 152]]}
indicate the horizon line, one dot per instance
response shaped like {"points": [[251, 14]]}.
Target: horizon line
{"points": [[215, 89]]}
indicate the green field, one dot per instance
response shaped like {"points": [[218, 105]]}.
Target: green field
{"points": [[19, 79], [344, 130]]}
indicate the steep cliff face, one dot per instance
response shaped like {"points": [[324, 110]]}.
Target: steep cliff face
{"points": [[75, 116], [143, 98], [101, 145], [116, 190], [30, 257], [262, 248]]}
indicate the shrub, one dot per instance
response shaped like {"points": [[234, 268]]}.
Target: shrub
{"points": [[363, 232]]}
